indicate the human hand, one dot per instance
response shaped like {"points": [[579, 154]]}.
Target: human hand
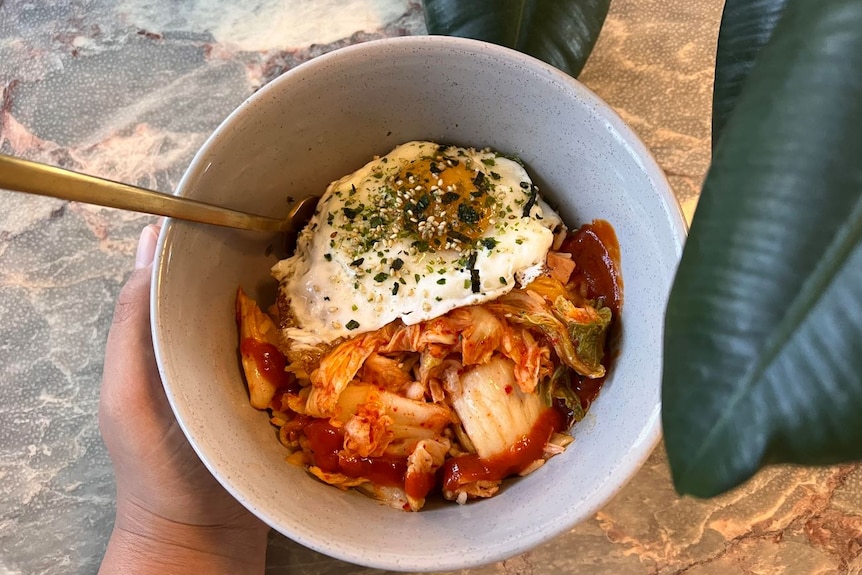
{"points": [[169, 508]]}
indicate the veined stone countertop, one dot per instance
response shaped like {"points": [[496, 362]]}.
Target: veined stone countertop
{"points": [[129, 89]]}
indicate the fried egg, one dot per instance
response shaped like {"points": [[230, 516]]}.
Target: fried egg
{"points": [[411, 235]]}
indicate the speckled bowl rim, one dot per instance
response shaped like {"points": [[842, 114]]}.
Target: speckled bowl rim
{"points": [[647, 439]]}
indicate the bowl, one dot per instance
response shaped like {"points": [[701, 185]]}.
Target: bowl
{"points": [[328, 117]]}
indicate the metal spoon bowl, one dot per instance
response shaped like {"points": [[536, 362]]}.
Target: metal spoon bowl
{"points": [[41, 179]]}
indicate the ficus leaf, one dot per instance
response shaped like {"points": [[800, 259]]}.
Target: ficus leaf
{"points": [[746, 27], [560, 32], [763, 334]]}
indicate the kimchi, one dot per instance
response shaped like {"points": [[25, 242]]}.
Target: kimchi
{"points": [[451, 406]]}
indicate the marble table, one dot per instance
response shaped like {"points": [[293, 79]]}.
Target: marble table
{"points": [[128, 89]]}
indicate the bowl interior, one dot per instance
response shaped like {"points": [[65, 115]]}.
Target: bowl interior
{"points": [[323, 120]]}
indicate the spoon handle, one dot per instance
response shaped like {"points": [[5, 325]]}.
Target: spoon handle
{"points": [[34, 178]]}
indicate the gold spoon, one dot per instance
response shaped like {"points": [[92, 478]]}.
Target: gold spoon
{"points": [[34, 178]]}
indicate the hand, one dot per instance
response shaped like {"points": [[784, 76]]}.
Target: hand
{"points": [[169, 508]]}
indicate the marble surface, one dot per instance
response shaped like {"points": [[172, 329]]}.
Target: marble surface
{"points": [[129, 89]]}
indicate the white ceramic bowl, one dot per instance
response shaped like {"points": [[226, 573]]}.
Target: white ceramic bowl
{"points": [[323, 120]]}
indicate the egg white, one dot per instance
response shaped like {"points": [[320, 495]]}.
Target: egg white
{"points": [[359, 264]]}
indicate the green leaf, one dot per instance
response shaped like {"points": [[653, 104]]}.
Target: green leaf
{"points": [[746, 27], [588, 328], [559, 389], [560, 32], [763, 334]]}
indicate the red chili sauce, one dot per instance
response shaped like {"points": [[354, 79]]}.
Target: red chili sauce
{"points": [[271, 363], [327, 442], [465, 469], [596, 253]]}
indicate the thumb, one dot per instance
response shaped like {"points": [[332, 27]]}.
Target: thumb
{"points": [[147, 246], [131, 314], [129, 354]]}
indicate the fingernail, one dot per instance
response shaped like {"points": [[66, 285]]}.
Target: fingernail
{"points": [[146, 247]]}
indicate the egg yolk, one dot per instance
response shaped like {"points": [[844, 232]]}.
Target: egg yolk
{"points": [[444, 201]]}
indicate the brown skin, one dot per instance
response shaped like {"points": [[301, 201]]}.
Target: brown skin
{"points": [[172, 515]]}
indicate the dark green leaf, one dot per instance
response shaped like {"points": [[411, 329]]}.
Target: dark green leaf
{"points": [[560, 32], [746, 27], [763, 337], [588, 328], [559, 389]]}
